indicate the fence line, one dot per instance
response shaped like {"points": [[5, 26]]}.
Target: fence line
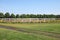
{"points": [[29, 19]]}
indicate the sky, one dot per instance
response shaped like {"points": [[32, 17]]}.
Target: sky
{"points": [[30, 6]]}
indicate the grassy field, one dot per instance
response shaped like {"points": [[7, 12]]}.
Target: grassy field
{"points": [[6, 34], [14, 35], [52, 27]]}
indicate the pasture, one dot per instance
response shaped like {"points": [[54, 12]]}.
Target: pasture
{"points": [[30, 31]]}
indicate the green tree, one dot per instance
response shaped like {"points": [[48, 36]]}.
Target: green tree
{"points": [[38, 16], [1, 15], [51, 16], [27, 16], [23, 16], [7, 15], [12, 16], [17, 16], [57, 16], [32, 16]]}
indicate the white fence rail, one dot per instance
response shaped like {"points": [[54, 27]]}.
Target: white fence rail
{"points": [[28, 19]]}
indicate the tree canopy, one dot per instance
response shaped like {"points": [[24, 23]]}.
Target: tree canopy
{"points": [[8, 15], [12, 16], [1, 15]]}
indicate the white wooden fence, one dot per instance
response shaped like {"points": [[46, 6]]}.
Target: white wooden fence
{"points": [[27, 19]]}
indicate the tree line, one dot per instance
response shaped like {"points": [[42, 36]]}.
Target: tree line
{"points": [[8, 15]]}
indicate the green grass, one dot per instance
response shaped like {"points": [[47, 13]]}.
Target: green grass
{"points": [[49, 27], [15, 35], [6, 34]]}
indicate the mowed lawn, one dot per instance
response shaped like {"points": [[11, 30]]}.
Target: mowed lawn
{"points": [[6, 34], [49, 27]]}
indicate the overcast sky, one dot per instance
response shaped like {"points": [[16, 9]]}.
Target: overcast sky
{"points": [[30, 6]]}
